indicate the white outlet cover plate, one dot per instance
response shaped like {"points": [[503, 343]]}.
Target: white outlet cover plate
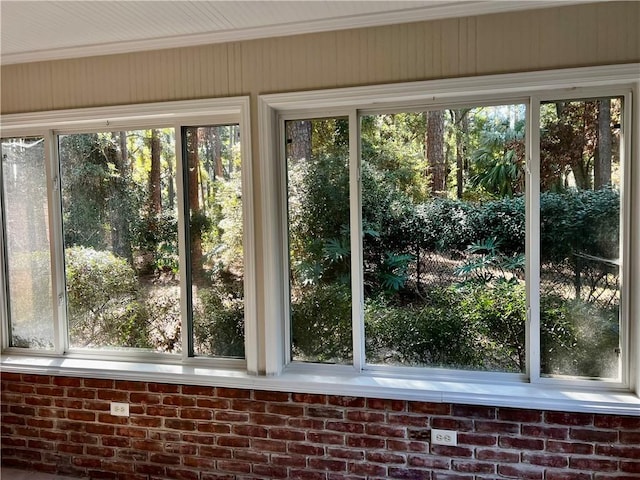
{"points": [[120, 409], [444, 437]]}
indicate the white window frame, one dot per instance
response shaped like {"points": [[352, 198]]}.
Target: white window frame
{"points": [[528, 88], [49, 125]]}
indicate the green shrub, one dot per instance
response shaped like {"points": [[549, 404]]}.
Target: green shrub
{"points": [[218, 322], [103, 306], [321, 324]]}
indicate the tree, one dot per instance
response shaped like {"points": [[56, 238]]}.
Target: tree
{"points": [[602, 164], [460, 122], [299, 135], [155, 191], [196, 217], [434, 147]]}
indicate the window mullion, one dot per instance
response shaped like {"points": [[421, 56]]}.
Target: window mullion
{"points": [[183, 249], [355, 212], [532, 247]]}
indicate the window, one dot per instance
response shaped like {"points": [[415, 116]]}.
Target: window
{"points": [[138, 234], [488, 231]]}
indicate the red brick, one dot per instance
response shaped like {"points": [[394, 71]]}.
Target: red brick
{"points": [[327, 464], [385, 457], [512, 471], [98, 383], [519, 415], [473, 467], [589, 435], [345, 427], [409, 474], [19, 388], [309, 398], [287, 410], [147, 445], [233, 441], [271, 396], [199, 439], [108, 418], [350, 402], [593, 464], [429, 461], [261, 444], [116, 442], [406, 445], [545, 460], [422, 434], [617, 422], [181, 474], [563, 418], [451, 451], [289, 460], [210, 427], [367, 469], [148, 398], [163, 388], [458, 424], [232, 393], [365, 416], [103, 452], [179, 400], [161, 411], [87, 462], [188, 425], [225, 416], [618, 451], [390, 405], [149, 422], [113, 395], [306, 475], [231, 466], [408, 420], [305, 449], [266, 419], [630, 438], [385, 431], [541, 431], [215, 452], [287, 434], [306, 423], [198, 390], [569, 447], [250, 431], [248, 405], [164, 459], [56, 436], [325, 438], [270, 471], [472, 411], [38, 401], [131, 432], [213, 403], [325, 412], [521, 443], [630, 467], [565, 475], [498, 456], [97, 405], [196, 413], [429, 408], [130, 386], [42, 423], [20, 410], [40, 445], [488, 426], [50, 391], [67, 381], [84, 438], [346, 453], [477, 439], [81, 415], [181, 448]]}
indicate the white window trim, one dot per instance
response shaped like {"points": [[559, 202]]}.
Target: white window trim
{"points": [[532, 87], [268, 336], [165, 114]]}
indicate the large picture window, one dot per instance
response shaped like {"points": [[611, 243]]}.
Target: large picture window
{"points": [[488, 233], [136, 232]]}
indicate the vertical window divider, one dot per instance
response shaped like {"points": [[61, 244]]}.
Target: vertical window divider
{"points": [[532, 243], [56, 244], [355, 212], [4, 284], [183, 247]]}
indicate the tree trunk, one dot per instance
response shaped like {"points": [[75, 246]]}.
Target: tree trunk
{"points": [[193, 166], [299, 140], [461, 128], [436, 161], [155, 192], [602, 164], [119, 203]]}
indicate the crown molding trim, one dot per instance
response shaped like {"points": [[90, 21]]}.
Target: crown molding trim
{"points": [[454, 9]]}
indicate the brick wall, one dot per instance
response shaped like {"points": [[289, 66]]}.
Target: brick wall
{"points": [[62, 425]]}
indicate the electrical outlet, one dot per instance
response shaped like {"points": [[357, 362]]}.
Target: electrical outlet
{"points": [[444, 437], [120, 409]]}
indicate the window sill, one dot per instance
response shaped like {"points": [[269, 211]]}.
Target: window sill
{"points": [[510, 395]]}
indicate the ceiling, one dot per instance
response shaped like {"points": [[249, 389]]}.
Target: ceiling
{"points": [[47, 30]]}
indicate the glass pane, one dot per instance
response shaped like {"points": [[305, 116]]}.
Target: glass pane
{"points": [[444, 228], [27, 251], [580, 176], [319, 246], [121, 239], [214, 182]]}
